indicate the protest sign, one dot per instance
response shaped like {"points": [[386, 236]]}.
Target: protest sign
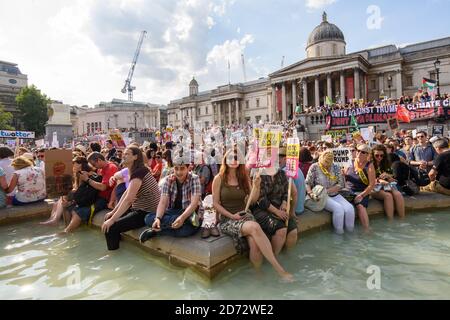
{"points": [[327, 138], [117, 139], [367, 134], [381, 113], [343, 157], [39, 143], [392, 124], [292, 157], [337, 134], [58, 172], [438, 130], [268, 147]]}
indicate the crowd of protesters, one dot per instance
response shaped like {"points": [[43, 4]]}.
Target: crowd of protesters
{"points": [[155, 188]]}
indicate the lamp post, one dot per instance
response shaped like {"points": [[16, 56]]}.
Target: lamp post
{"points": [[437, 64], [389, 85], [135, 121], [107, 123]]}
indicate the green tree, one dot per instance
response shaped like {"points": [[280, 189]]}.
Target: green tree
{"points": [[33, 109], [5, 119]]}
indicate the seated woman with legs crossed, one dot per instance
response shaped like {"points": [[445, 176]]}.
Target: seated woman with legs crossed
{"points": [[231, 187]]}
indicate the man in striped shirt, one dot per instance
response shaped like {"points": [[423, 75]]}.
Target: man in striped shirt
{"points": [[180, 199]]}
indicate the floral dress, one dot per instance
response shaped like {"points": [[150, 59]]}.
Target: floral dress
{"points": [[30, 185]]}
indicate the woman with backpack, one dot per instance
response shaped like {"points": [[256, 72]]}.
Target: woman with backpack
{"points": [[81, 195]]}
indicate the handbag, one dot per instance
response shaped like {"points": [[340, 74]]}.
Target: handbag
{"points": [[319, 202], [424, 179], [410, 187], [348, 195]]}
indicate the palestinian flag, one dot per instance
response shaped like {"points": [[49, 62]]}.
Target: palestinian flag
{"points": [[428, 84]]}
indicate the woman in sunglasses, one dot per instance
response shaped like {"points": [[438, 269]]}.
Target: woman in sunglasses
{"points": [[231, 188], [386, 191], [328, 174], [360, 177]]}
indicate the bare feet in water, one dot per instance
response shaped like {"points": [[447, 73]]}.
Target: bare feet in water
{"points": [[51, 223], [286, 277]]}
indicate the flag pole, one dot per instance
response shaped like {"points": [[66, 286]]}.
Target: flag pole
{"points": [[229, 76]]}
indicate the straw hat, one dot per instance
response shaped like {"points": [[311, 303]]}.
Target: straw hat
{"points": [[21, 163]]}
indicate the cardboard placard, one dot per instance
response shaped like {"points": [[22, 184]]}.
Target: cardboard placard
{"points": [[58, 172], [438, 130], [327, 138], [292, 157], [392, 124], [343, 157], [117, 139]]}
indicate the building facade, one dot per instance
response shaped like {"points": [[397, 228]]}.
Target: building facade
{"points": [[11, 82], [120, 114], [327, 71]]}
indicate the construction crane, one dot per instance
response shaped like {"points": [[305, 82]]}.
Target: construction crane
{"points": [[243, 67], [128, 87]]}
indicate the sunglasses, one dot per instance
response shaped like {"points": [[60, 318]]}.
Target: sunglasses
{"points": [[420, 136], [363, 152], [379, 155], [41, 157]]}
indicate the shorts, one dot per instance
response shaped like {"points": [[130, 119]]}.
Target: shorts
{"points": [[85, 212], [364, 202], [271, 224]]}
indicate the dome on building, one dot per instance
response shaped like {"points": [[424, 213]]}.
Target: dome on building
{"points": [[193, 83], [325, 32]]}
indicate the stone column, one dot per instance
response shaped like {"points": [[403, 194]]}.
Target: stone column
{"points": [[316, 91], [294, 96], [305, 93], [381, 84], [219, 112], [230, 120], [283, 105], [237, 112], [357, 84], [342, 83], [329, 89], [274, 104], [399, 84]]}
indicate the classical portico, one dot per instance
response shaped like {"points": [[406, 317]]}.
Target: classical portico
{"points": [[309, 82]]}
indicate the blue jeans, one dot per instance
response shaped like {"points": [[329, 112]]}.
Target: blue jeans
{"points": [[169, 217]]}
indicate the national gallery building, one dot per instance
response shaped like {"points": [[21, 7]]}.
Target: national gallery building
{"points": [[328, 70]]}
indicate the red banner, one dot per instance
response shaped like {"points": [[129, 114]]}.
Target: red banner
{"points": [[279, 100], [350, 88]]}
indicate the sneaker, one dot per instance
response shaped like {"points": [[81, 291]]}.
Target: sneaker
{"points": [[215, 232], [147, 234]]}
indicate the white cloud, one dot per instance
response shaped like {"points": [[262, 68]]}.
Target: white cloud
{"points": [[80, 51], [318, 4]]}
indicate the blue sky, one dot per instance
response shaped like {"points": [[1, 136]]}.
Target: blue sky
{"points": [[79, 51]]}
